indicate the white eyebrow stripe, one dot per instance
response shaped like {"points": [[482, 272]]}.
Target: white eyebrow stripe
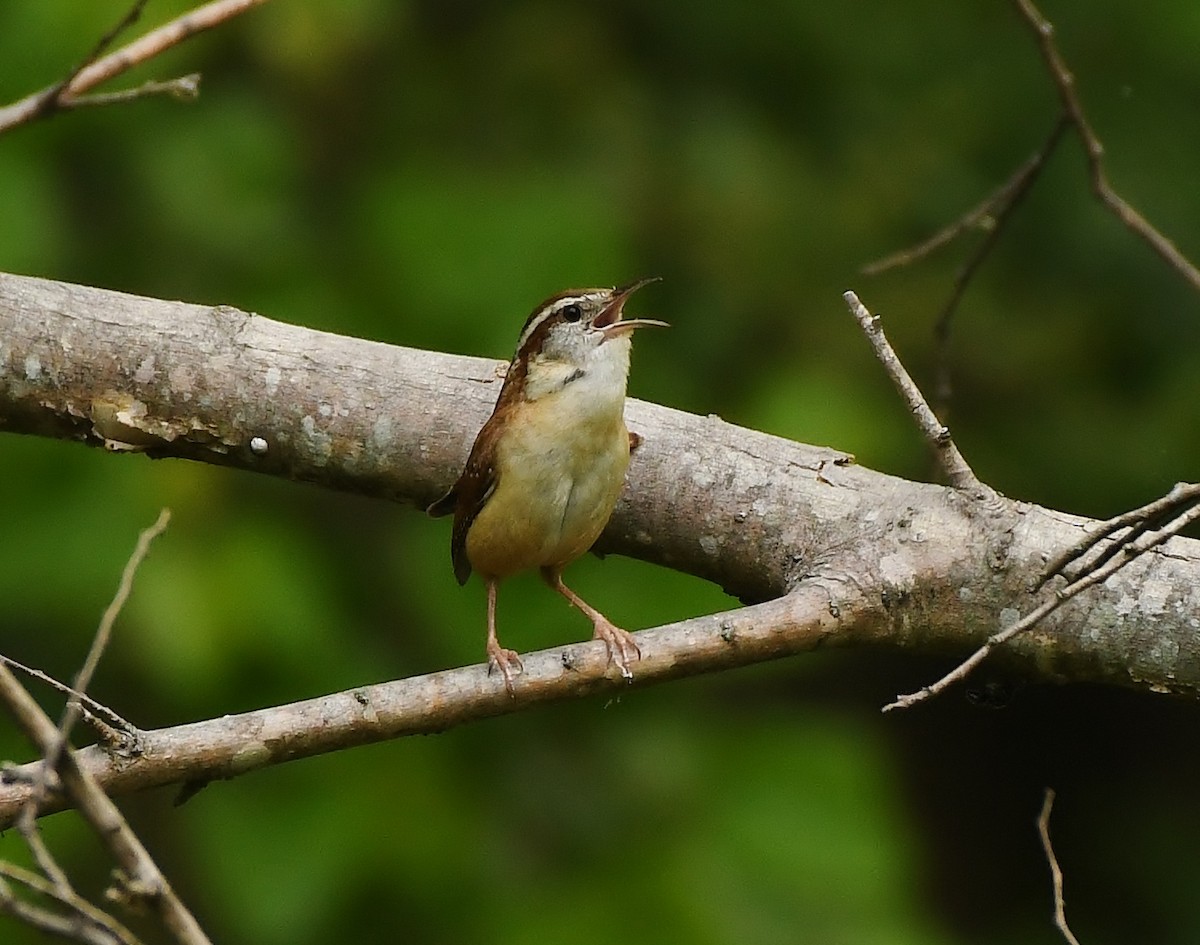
{"points": [[553, 308]]}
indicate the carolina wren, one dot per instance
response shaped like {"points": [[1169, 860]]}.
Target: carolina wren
{"points": [[547, 467]]}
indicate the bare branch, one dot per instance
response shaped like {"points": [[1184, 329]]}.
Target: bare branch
{"points": [[194, 754], [185, 88], [994, 210], [957, 472], [143, 878], [1158, 512], [94, 71], [930, 570], [1121, 553], [1073, 110], [92, 708], [1056, 876], [84, 923], [988, 217], [991, 215]]}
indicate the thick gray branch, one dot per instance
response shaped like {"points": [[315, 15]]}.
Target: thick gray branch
{"points": [[897, 562]]}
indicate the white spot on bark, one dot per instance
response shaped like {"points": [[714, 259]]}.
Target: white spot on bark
{"points": [[894, 570], [180, 378], [381, 432], [33, 368], [322, 443], [1152, 597], [273, 377], [711, 544], [145, 371]]}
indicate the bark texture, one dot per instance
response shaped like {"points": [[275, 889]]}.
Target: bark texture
{"points": [[899, 562]]}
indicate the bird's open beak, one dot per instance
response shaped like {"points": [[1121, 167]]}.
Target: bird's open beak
{"points": [[610, 322]]}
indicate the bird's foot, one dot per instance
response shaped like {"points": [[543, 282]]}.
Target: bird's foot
{"points": [[622, 649], [507, 661]]}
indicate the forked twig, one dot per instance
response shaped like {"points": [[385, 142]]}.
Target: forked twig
{"points": [[84, 923], [97, 68], [93, 710], [1073, 111], [991, 215], [139, 877]]}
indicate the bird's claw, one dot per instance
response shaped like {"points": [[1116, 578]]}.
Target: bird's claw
{"points": [[507, 661], [622, 648]]}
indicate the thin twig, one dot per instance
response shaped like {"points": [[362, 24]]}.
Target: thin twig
{"points": [[1073, 109], [48, 921], [147, 47], [955, 467], [64, 94], [87, 923], [992, 211], [987, 216], [83, 678], [56, 877], [98, 708], [1056, 876], [55, 874], [132, 15], [1128, 549], [143, 877], [185, 88], [50, 100], [996, 209], [104, 631], [1004, 203], [1181, 494]]}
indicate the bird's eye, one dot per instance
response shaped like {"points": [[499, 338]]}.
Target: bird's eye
{"points": [[572, 312]]}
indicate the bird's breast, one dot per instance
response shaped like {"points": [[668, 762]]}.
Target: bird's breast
{"points": [[560, 468]]}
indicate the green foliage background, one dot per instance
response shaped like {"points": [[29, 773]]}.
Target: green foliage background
{"points": [[422, 173]]}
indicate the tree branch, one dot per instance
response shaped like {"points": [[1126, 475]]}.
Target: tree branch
{"points": [[1064, 81], [70, 92], [844, 555], [192, 755], [994, 212], [951, 461], [83, 922], [1056, 876], [139, 879], [140, 871]]}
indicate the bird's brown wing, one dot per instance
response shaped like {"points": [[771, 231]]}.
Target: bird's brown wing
{"points": [[478, 480], [470, 494]]}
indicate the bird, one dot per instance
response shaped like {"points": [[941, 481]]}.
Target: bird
{"points": [[547, 467]]}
